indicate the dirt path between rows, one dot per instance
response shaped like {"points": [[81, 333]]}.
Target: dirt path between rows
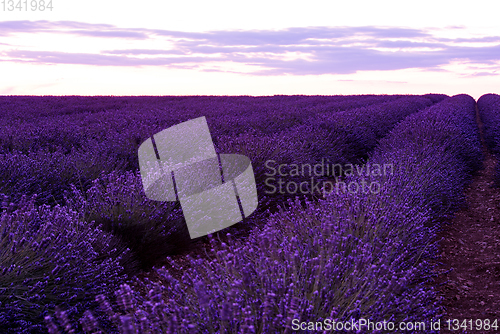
{"points": [[469, 282]]}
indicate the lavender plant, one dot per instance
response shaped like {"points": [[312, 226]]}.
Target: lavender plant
{"points": [[48, 258], [489, 111], [49, 174], [117, 202]]}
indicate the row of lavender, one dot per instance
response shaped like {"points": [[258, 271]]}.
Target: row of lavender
{"points": [[349, 256], [31, 241], [45, 167], [116, 200], [66, 122], [341, 138], [489, 111], [49, 142]]}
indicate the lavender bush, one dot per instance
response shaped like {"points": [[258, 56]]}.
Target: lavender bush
{"points": [[49, 174], [351, 135], [48, 258], [457, 139], [489, 111], [117, 202]]}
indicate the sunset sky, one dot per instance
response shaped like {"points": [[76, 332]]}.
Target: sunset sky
{"points": [[251, 48]]}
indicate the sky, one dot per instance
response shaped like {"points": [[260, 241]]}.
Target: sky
{"points": [[249, 48]]}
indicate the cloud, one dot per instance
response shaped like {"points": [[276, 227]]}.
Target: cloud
{"points": [[483, 74], [291, 36], [113, 34], [485, 39], [296, 51], [48, 57], [137, 52], [8, 28]]}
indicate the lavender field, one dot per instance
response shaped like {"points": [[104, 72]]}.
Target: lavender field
{"points": [[83, 249]]}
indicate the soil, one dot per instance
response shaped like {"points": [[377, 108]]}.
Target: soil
{"points": [[469, 280]]}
